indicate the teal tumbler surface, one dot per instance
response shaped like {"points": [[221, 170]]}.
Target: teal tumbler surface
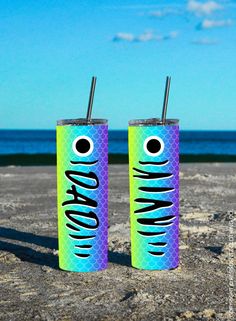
{"points": [[154, 193], [82, 186]]}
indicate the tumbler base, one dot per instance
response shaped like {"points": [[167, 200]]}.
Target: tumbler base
{"points": [[155, 268], [64, 268]]}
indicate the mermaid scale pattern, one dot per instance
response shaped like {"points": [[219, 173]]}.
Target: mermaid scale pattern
{"points": [[82, 206], [154, 196]]}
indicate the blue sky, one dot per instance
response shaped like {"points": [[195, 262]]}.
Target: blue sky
{"points": [[51, 49]]}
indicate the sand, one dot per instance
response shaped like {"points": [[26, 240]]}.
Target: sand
{"points": [[33, 288]]}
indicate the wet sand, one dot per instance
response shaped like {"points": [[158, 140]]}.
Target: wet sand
{"points": [[33, 288]]}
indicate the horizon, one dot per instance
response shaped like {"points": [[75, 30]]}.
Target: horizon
{"points": [[115, 129], [50, 51]]}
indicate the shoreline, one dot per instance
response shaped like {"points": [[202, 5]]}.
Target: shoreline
{"points": [[50, 159]]}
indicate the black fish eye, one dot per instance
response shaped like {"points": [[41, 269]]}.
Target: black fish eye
{"points": [[83, 146], [153, 146]]}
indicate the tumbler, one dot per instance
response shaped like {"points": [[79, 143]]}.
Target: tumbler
{"points": [[154, 193], [82, 190]]}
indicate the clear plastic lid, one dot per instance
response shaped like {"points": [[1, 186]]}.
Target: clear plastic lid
{"points": [[81, 122], [153, 122]]}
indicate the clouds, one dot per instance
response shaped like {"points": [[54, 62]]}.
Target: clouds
{"points": [[203, 8], [205, 12], [163, 12], [159, 13], [209, 24], [193, 6], [205, 42], [122, 36], [146, 36]]}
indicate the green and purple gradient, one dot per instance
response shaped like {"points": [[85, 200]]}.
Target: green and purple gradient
{"points": [[98, 246], [140, 245]]}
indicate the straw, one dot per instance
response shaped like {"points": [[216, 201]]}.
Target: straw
{"points": [[91, 96], [165, 103]]}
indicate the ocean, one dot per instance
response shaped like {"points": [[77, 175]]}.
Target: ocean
{"points": [[44, 142]]}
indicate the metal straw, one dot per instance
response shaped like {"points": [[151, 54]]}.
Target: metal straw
{"points": [[165, 103], [91, 96]]}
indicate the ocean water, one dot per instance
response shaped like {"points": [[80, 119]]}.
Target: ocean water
{"points": [[44, 142]]}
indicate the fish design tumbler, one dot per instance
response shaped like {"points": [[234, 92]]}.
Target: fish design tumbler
{"points": [[82, 186], [154, 193]]}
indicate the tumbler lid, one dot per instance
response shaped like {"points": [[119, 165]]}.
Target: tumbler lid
{"points": [[153, 122], [81, 122]]}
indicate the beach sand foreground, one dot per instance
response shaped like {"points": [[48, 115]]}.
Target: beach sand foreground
{"points": [[33, 288]]}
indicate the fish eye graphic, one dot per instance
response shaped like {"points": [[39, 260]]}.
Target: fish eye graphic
{"points": [[153, 146], [83, 146]]}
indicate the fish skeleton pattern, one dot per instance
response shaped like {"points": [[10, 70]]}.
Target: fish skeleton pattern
{"points": [[152, 204], [81, 221]]}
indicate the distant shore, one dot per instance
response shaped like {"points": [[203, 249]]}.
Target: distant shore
{"points": [[50, 159]]}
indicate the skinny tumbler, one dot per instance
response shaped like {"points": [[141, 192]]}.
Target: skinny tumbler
{"points": [[154, 193], [82, 186]]}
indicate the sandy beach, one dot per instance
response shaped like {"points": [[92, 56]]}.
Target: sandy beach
{"points": [[33, 288]]}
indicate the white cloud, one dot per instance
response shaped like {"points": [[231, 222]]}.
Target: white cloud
{"points": [[163, 12], [208, 24], [122, 36], [205, 41], [142, 6], [203, 8], [146, 36], [158, 13]]}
